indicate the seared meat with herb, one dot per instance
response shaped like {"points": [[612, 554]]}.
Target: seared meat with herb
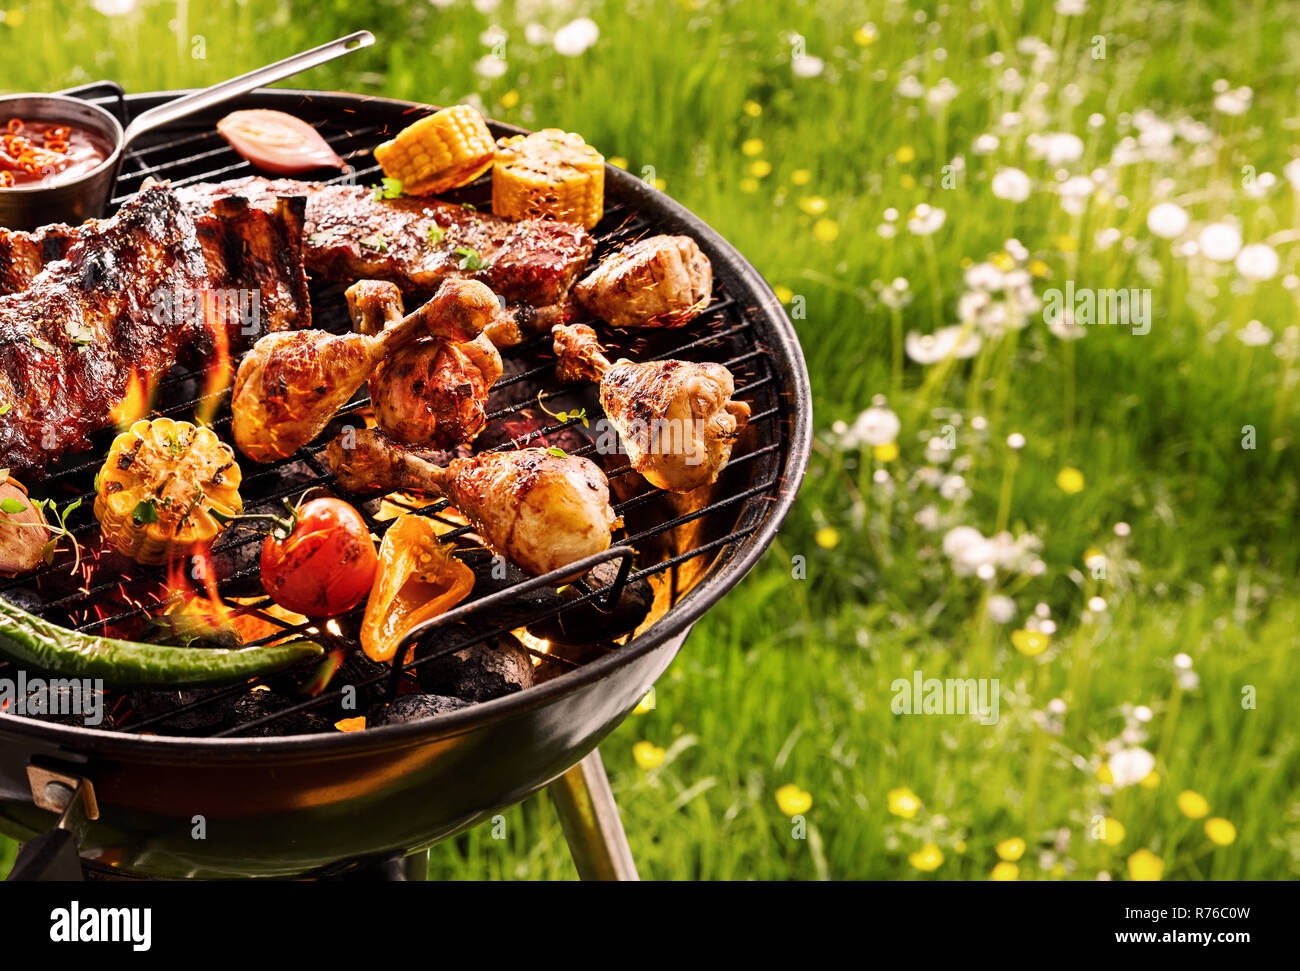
{"points": [[417, 242], [71, 341], [662, 281], [253, 253]]}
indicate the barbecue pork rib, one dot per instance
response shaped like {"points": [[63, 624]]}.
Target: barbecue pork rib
{"points": [[253, 249], [414, 242], [71, 340]]}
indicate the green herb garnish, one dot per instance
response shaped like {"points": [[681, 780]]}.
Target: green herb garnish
{"points": [[145, 511], [559, 453], [388, 189], [436, 233], [470, 260], [12, 506]]}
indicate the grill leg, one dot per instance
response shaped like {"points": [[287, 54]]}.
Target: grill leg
{"points": [[589, 816]]}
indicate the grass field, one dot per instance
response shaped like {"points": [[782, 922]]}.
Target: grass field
{"points": [[1140, 612]]}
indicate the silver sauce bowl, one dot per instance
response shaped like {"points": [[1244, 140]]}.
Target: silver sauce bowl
{"points": [[26, 207]]}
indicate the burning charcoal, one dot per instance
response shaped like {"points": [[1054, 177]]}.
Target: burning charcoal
{"points": [[492, 574], [201, 720], [355, 669], [587, 623], [64, 705], [24, 599], [409, 708], [237, 565], [256, 704], [480, 672]]}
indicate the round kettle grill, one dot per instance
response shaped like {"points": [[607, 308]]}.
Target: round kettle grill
{"points": [[129, 803]]}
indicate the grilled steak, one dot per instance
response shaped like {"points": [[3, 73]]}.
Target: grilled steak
{"points": [[417, 243], [70, 341], [248, 250]]}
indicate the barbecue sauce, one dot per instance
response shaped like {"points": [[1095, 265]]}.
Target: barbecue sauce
{"points": [[44, 153]]}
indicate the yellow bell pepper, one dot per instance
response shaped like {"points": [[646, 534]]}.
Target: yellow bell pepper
{"points": [[418, 579]]}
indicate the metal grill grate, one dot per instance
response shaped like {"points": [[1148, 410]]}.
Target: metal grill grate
{"points": [[725, 333]]}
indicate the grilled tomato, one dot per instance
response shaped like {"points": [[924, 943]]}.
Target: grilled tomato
{"points": [[322, 561]]}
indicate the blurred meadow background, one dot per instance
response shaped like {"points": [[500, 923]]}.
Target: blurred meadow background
{"points": [[1104, 521]]}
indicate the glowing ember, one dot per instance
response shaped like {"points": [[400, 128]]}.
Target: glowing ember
{"points": [[134, 404], [219, 371]]}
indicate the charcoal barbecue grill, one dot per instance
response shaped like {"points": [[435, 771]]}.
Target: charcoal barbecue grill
{"points": [[338, 803]]}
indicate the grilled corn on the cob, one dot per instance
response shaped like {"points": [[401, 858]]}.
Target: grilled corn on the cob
{"points": [[159, 486], [549, 173], [450, 148]]}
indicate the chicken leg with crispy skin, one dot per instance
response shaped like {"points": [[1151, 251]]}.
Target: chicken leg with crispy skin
{"points": [[289, 385], [542, 511], [676, 418], [430, 392]]}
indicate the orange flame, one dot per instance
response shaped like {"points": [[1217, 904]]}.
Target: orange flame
{"points": [[204, 605], [219, 370], [134, 403]]}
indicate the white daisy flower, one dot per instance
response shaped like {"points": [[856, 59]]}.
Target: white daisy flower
{"points": [[807, 66], [1168, 220], [575, 37], [1255, 334], [926, 220], [1130, 766], [1258, 261], [1011, 184], [1220, 242]]}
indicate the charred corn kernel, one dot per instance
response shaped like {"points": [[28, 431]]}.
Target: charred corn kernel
{"points": [[450, 148], [549, 173], [160, 485]]}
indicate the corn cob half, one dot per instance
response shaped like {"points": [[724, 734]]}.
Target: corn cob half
{"points": [[549, 173], [448, 149], [160, 485]]}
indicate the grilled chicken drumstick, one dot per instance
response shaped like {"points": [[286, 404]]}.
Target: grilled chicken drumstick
{"points": [[541, 510], [676, 418], [289, 385], [431, 392]]}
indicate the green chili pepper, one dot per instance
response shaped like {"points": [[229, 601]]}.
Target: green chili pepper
{"points": [[32, 641]]}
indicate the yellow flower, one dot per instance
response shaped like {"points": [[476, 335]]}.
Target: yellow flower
{"points": [[661, 185], [959, 846], [1092, 553], [15, 18], [1104, 775], [1003, 261], [1070, 480], [813, 205], [885, 453], [646, 704], [793, 800], [1066, 244], [905, 154], [1112, 830], [1145, 865], [752, 146], [1011, 849], [761, 168], [1038, 268], [903, 802], [748, 184], [866, 35], [648, 755], [927, 859], [510, 98], [1192, 804], [753, 109], [783, 293], [1005, 871], [800, 177], [1220, 831], [827, 537], [618, 161], [908, 181], [1151, 780], [826, 230], [1030, 643]]}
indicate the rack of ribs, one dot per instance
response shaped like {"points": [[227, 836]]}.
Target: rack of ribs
{"points": [[248, 250], [73, 338], [417, 242]]}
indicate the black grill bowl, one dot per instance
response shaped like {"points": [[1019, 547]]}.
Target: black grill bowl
{"points": [[326, 803]]}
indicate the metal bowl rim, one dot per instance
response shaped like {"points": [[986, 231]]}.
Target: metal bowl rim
{"points": [[679, 619], [112, 159]]}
